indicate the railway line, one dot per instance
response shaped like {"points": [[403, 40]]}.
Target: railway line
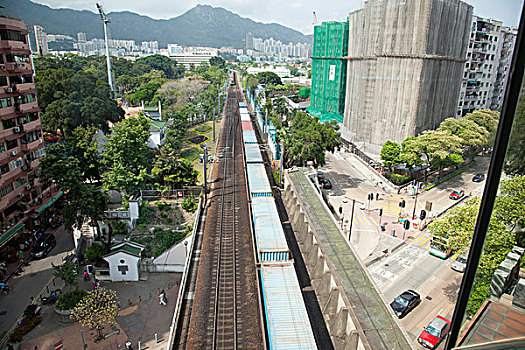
{"points": [[225, 313]]}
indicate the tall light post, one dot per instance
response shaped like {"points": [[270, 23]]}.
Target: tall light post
{"points": [[106, 20], [214, 125], [415, 203], [281, 165], [205, 176]]}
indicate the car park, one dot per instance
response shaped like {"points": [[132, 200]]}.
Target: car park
{"points": [[405, 302], [456, 194], [460, 263], [434, 333], [43, 246], [478, 177]]}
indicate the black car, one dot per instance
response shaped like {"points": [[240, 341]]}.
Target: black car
{"points": [[43, 246], [405, 302], [327, 184], [478, 177]]}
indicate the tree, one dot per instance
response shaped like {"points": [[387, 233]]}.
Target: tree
{"points": [[514, 164], [126, 156], [251, 83], [390, 154], [67, 272], [183, 91], [98, 309], [158, 62], [74, 166], [217, 61], [308, 140], [304, 93], [70, 99], [268, 78]]}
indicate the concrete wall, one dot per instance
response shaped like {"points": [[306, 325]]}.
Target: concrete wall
{"points": [[405, 60], [341, 322]]}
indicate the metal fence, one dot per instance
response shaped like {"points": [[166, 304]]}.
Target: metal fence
{"points": [[181, 193]]}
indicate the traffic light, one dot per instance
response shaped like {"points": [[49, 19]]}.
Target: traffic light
{"points": [[402, 203], [406, 224], [381, 212], [423, 214], [340, 210]]}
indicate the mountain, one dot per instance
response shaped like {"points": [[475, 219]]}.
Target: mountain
{"points": [[202, 25]]}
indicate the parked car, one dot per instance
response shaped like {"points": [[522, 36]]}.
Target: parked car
{"points": [[434, 333], [320, 175], [405, 302], [43, 246], [478, 177], [327, 184], [456, 194], [460, 264]]}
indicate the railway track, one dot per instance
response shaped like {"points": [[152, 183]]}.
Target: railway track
{"points": [[225, 312]]}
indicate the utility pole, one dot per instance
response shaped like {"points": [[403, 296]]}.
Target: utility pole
{"points": [[214, 125], [106, 20], [415, 203], [351, 221], [205, 160], [282, 161]]}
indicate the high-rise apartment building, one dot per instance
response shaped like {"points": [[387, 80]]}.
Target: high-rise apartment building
{"points": [[480, 69], [81, 37], [485, 73], [41, 40], [21, 140], [405, 63]]}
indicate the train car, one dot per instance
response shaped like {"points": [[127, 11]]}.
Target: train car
{"points": [[248, 137], [287, 322], [252, 153], [246, 126], [242, 104], [269, 233], [258, 183], [245, 116]]}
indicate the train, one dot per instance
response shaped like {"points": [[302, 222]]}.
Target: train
{"points": [[286, 319]]}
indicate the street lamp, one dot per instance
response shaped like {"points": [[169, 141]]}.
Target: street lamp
{"points": [[205, 149]]}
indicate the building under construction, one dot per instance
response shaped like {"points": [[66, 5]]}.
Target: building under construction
{"points": [[329, 70], [405, 63]]}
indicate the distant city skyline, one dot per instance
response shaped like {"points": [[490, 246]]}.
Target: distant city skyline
{"points": [[295, 14]]}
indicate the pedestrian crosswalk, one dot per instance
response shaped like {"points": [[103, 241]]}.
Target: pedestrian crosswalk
{"points": [[391, 207], [422, 239]]}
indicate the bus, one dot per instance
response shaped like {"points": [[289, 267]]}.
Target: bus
{"points": [[439, 247]]}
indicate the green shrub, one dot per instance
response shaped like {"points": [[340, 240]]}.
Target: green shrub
{"points": [[397, 179], [70, 299], [191, 154], [163, 206], [142, 227], [146, 212], [164, 215], [169, 220], [119, 227], [96, 251], [202, 129], [24, 328], [189, 205]]}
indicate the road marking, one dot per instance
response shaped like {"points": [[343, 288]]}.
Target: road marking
{"points": [[416, 241], [426, 240], [455, 255], [373, 221]]}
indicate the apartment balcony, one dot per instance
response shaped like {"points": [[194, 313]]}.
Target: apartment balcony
{"points": [[18, 67], [24, 88], [8, 111], [29, 147], [13, 45], [31, 126], [29, 107], [10, 176]]}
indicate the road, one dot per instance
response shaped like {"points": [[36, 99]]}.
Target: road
{"points": [[32, 280]]}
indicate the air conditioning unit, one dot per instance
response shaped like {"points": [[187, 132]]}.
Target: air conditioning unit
{"points": [[41, 140], [17, 129], [2, 66], [9, 90], [15, 152], [28, 186]]}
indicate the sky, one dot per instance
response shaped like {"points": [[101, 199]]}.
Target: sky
{"points": [[296, 14]]}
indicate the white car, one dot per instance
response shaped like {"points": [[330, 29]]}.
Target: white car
{"points": [[460, 264]]}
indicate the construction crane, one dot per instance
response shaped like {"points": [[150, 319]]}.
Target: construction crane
{"points": [[315, 19], [106, 20]]}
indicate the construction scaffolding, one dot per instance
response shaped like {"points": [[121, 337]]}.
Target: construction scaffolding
{"points": [[329, 70]]}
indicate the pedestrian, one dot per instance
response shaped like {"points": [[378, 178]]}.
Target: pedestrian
{"points": [[86, 275], [377, 196], [162, 298], [21, 255]]}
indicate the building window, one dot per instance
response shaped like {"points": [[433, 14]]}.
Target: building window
{"points": [[20, 181], [11, 144], [6, 190], [8, 123], [3, 79], [30, 137], [39, 153], [17, 58], [17, 163], [9, 35], [5, 102], [2, 147]]}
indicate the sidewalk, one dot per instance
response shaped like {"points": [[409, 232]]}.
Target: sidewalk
{"points": [[139, 319]]}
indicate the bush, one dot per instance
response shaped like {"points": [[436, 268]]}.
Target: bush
{"points": [[96, 251], [191, 154], [69, 300], [24, 328], [163, 206], [189, 205], [397, 179], [202, 129], [146, 212], [119, 228]]}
